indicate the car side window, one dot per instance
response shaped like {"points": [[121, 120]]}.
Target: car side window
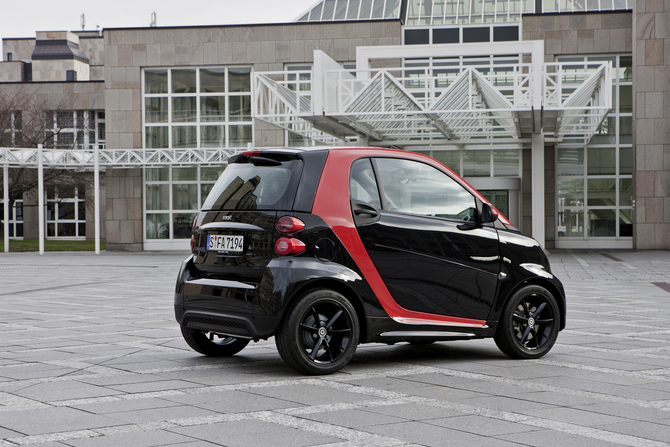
{"points": [[417, 188], [362, 183]]}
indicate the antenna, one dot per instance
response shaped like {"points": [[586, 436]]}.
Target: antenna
{"points": [[154, 21], [83, 22]]}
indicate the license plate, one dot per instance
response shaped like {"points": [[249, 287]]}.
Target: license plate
{"points": [[233, 244]]}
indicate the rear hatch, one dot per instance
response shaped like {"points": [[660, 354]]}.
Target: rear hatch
{"points": [[235, 232]]}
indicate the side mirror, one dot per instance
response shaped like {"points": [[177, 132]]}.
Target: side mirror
{"points": [[489, 214]]}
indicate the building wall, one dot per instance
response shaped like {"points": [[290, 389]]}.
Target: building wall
{"points": [[651, 131], [61, 95], [264, 47], [11, 71], [21, 49], [124, 223], [569, 34], [56, 70]]}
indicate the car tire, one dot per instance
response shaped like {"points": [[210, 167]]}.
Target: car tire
{"points": [[529, 323], [213, 345], [319, 333]]}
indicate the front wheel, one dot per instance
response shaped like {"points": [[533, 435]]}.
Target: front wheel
{"points": [[319, 334], [529, 323], [211, 344]]}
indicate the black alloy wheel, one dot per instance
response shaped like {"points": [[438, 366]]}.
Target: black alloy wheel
{"points": [[212, 344], [319, 334], [529, 324]]}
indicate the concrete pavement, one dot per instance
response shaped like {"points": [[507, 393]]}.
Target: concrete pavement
{"points": [[90, 355]]}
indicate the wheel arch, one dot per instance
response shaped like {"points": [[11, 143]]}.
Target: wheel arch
{"points": [[338, 286], [558, 293]]}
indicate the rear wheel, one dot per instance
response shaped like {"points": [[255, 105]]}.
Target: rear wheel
{"points": [[529, 324], [319, 334], [212, 344]]}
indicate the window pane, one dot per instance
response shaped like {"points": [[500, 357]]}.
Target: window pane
{"points": [[625, 160], [498, 198], [451, 159], [570, 192], [352, 12], [211, 173], [417, 188], [212, 80], [51, 229], [601, 192], [81, 211], [158, 197], [476, 163], [158, 226], [363, 184], [605, 133], [184, 110], [601, 161], [155, 81], [626, 99], [626, 68], [184, 136], [205, 189], [570, 162], [602, 223], [239, 79], [626, 192], [212, 136], [66, 210], [240, 136], [213, 108], [626, 223], [240, 108], [185, 174], [67, 229], [156, 137], [185, 196], [157, 174], [506, 163], [182, 225], [156, 110], [183, 80], [81, 227], [571, 223], [626, 129]]}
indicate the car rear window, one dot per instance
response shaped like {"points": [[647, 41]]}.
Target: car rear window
{"points": [[243, 186]]}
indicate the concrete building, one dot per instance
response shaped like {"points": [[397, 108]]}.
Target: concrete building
{"points": [[559, 112]]}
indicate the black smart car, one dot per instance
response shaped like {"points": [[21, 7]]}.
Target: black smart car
{"points": [[328, 248]]}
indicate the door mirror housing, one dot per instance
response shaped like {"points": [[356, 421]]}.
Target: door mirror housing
{"points": [[488, 214]]}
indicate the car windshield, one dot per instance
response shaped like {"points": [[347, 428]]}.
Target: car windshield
{"points": [[243, 186]]}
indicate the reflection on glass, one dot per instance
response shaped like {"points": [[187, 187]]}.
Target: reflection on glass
{"points": [[156, 110], [626, 223], [205, 189], [184, 109], [184, 136], [570, 223], [185, 197], [184, 174], [239, 79], [606, 132], [602, 223], [570, 161], [506, 163], [626, 99], [81, 210], [213, 108], [51, 229], [601, 192], [601, 161], [157, 174], [212, 136], [183, 80], [155, 81], [240, 108], [67, 229], [625, 160], [626, 192], [476, 163], [626, 129], [81, 227], [66, 210], [570, 192], [451, 159], [158, 226], [158, 197], [240, 136], [156, 137], [182, 225], [626, 68], [212, 80]]}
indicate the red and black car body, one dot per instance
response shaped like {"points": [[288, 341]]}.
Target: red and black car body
{"points": [[283, 248]]}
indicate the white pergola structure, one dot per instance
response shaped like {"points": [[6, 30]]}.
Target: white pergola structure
{"points": [[525, 105], [96, 159]]}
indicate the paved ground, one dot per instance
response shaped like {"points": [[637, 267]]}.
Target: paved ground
{"points": [[90, 356]]}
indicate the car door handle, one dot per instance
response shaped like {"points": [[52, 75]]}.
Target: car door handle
{"points": [[370, 212]]}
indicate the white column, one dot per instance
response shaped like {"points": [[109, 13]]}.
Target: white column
{"points": [[96, 198], [5, 185], [537, 186], [40, 197]]}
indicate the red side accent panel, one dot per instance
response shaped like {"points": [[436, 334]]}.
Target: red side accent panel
{"points": [[332, 204]]}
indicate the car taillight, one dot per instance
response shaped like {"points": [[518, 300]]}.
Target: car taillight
{"points": [[289, 224], [251, 153], [193, 234], [289, 246]]}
